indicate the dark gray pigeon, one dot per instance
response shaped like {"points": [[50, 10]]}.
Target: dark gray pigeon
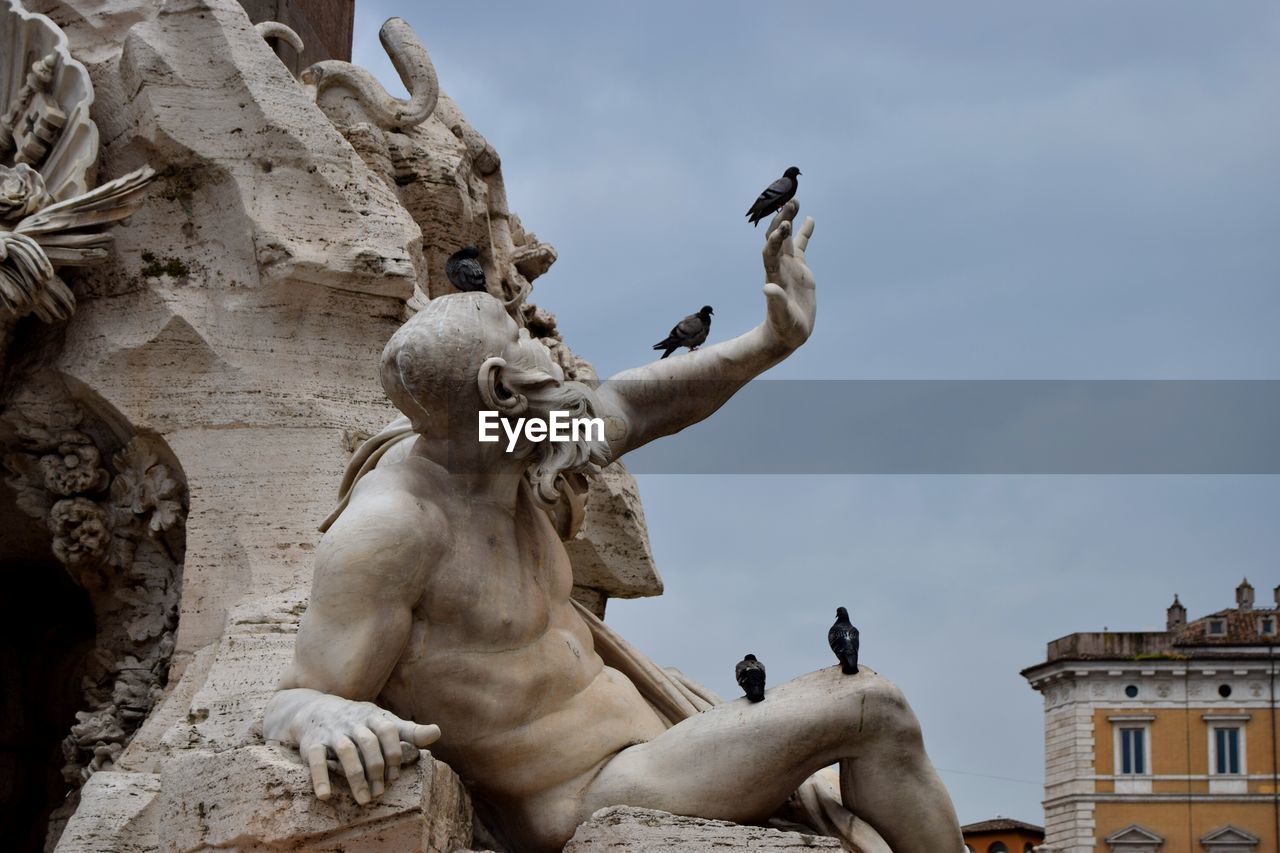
{"points": [[774, 197], [464, 271], [843, 638], [690, 332], [750, 675]]}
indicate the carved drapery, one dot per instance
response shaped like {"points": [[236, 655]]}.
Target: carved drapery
{"points": [[49, 216]]}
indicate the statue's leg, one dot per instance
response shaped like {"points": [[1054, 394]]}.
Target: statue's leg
{"points": [[740, 761]]}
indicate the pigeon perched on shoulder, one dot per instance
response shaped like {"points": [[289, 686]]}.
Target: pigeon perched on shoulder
{"points": [[774, 197], [843, 638], [464, 271], [690, 332], [750, 675]]}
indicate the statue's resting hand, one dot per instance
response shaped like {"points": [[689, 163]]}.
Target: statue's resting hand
{"points": [[365, 739]]}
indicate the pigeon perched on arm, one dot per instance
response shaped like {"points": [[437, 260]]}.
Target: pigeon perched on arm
{"points": [[774, 197], [690, 332], [464, 271], [843, 638], [750, 675]]}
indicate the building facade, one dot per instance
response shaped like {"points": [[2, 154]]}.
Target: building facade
{"points": [[1002, 835], [1164, 740]]}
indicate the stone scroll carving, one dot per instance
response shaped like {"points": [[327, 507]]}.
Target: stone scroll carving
{"points": [[49, 216], [445, 173], [412, 64], [114, 509]]}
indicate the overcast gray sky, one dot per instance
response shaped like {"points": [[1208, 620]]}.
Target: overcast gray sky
{"points": [[1083, 191]]}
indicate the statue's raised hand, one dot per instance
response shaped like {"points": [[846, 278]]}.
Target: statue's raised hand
{"points": [[789, 288], [364, 739]]}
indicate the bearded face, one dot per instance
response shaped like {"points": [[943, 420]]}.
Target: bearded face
{"points": [[461, 354], [530, 373]]}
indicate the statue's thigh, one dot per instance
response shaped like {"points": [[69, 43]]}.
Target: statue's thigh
{"points": [[740, 761]]}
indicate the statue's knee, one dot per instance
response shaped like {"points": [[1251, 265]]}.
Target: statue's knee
{"points": [[892, 715]]}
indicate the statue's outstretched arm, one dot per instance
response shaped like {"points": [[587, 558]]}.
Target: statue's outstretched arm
{"points": [[666, 396], [368, 575]]}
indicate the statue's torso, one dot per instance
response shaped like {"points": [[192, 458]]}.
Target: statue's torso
{"points": [[499, 658]]}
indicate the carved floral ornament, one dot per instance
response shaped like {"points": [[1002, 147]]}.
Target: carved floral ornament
{"points": [[115, 522], [49, 217]]}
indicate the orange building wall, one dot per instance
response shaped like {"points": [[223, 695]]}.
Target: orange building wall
{"points": [[1182, 827], [1180, 747], [1180, 740], [1015, 840]]}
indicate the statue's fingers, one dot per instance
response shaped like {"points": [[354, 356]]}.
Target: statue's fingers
{"points": [[315, 756], [786, 213], [802, 238], [776, 298], [419, 736], [371, 754], [389, 741], [349, 758], [772, 252]]}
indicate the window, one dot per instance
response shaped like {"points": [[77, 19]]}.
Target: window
{"points": [[1217, 628], [1131, 691], [1133, 750], [1267, 626], [998, 847], [1227, 770], [1226, 750]]}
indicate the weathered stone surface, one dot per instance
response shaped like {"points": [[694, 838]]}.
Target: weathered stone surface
{"points": [[611, 553], [259, 798], [308, 207], [117, 813], [620, 828]]}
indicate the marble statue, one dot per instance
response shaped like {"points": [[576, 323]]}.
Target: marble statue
{"points": [[178, 391], [440, 612]]}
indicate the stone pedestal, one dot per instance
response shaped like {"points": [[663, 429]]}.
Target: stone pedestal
{"points": [[620, 829]]}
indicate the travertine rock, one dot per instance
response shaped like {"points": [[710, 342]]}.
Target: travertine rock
{"points": [[259, 798], [212, 102], [117, 813], [610, 553], [619, 829]]}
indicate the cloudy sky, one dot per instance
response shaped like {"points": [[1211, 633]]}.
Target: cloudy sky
{"points": [[1002, 191]]}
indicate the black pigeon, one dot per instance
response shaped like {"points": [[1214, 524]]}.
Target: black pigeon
{"points": [[750, 675], [464, 271], [689, 332], [843, 638], [774, 197]]}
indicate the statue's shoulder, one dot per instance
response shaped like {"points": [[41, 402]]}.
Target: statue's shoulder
{"points": [[407, 496]]}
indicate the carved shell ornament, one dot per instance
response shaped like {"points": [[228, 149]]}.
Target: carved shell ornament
{"points": [[49, 216]]}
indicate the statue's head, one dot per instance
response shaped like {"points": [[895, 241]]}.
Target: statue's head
{"points": [[461, 354]]}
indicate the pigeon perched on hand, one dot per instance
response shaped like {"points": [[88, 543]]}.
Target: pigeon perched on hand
{"points": [[690, 332], [843, 638], [464, 271], [774, 197], [750, 675]]}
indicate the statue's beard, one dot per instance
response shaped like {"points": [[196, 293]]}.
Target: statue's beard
{"points": [[550, 460]]}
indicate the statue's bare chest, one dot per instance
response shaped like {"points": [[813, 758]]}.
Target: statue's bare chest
{"points": [[500, 580]]}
